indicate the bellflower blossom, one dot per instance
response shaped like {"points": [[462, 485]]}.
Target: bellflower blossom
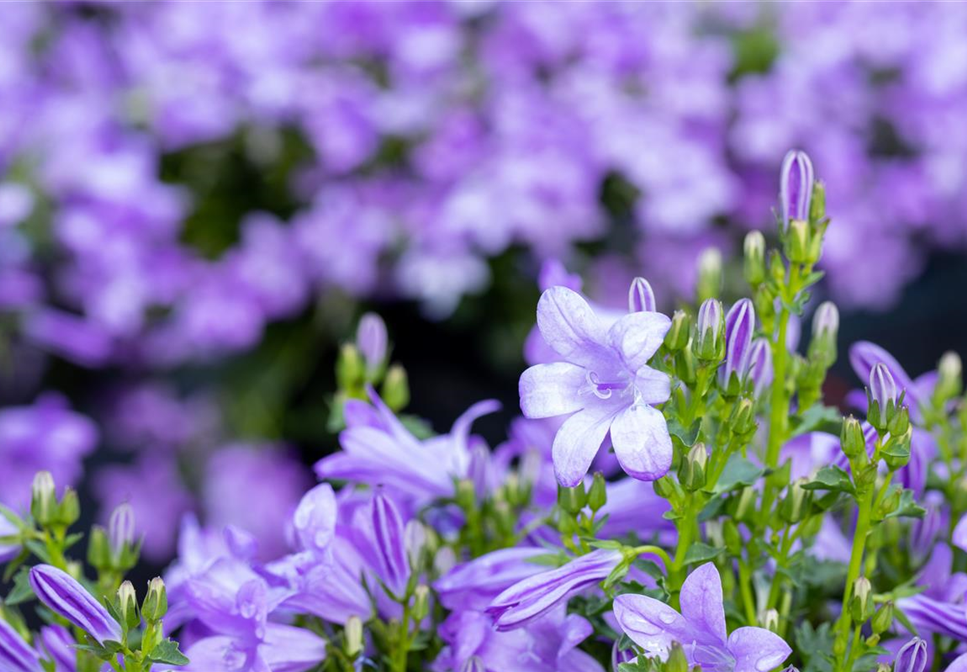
{"points": [[699, 628], [66, 597], [604, 385]]}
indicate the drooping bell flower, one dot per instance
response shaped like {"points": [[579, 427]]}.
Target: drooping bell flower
{"points": [[604, 385], [63, 595], [699, 628], [796, 187], [527, 600]]}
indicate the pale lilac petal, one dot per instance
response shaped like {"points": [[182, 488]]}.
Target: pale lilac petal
{"points": [[959, 664], [934, 616], [638, 336], [960, 534], [547, 390], [315, 518], [290, 649], [653, 386], [642, 443], [757, 649], [651, 624], [701, 600], [578, 441], [474, 585], [569, 325]]}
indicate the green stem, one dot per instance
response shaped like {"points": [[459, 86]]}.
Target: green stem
{"points": [[863, 524], [745, 587], [779, 406], [686, 529], [403, 649]]}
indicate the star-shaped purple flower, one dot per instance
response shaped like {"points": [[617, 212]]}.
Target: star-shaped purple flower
{"points": [[699, 628], [604, 384]]}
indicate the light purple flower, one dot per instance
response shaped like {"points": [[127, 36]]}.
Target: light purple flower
{"points": [[959, 664], [63, 595], [15, 654], [474, 585], [699, 628], [959, 536], [795, 187], [284, 648], [528, 599], [604, 384], [912, 656], [315, 518]]}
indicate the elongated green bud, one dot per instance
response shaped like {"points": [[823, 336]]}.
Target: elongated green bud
{"points": [[127, 606], [156, 601]]}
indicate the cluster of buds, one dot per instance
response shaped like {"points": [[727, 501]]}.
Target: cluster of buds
{"points": [[803, 204], [365, 362], [811, 371]]}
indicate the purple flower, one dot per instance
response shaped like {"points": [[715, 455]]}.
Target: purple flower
{"points": [[383, 527], [534, 596], [57, 643], [641, 298], [284, 648], [883, 392], [739, 328], [699, 628], [63, 595], [15, 654], [863, 356], [912, 656], [371, 339], [604, 384], [757, 366], [315, 518], [474, 585], [796, 187]]}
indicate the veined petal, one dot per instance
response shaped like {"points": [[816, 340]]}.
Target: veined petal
{"points": [[642, 443], [547, 390], [290, 649], [638, 336], [578, 440], [757, 649], [651, 624], [569, 325], [653, 386], [701, 600]]}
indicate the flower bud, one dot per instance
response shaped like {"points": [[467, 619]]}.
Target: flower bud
{"points": [[797, 242], [770, 620], [861, 604], [677, 661], [754, 262], [742, 419], [733, 538], [43, 498], [371, 342], [350, 368], [888, 504], [598, 494], [912, 656], [797, 502], [127, 606], [156, 601], [63, 595], [98, 549], [121, 530], [677, 336], [817, 208], [691, 474], [757, 367], [396, 388], [709, 274], [353, 636], [414, 541], [853, 441], [882, 394], [573, 499], [15, 654], [421, 603], [739, 328], [685, 366], [882, 619], [795, 187], [664, 487], [746, 504], [899, 425], [70, 508], [709, 338], [641, 298], [949, 383], [474, 664], [822, 347]]}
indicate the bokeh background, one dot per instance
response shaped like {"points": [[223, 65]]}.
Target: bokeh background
{"points": [[198, 200]]}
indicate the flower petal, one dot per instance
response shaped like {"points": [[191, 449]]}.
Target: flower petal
{"points": [[547, 390], [651, 624], [578, 441], [642, 443], [654, 387], [701, 600], [960, 534], [638, 336], [959, 664], [757, 649], [569, 325]]}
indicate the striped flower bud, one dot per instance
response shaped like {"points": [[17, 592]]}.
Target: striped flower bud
{"points": [[641, 298], [912, 656], [709, 339], [882, 397], [796, 187], [371, 341], [739, 328], [63, 595]]}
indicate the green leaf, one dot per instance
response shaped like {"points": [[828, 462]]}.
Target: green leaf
{"points": [[11, 516], [607, 543], [699, 552], [833, 479], [816, 646], [819, 417], [908, 507], [616, 574], [166, 651], [549, 559], [21, 591], [738, 472], [38, 549], [686, 435], [711, 510]]}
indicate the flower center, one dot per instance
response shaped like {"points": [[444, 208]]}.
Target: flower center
{"points": [[604, 389]]}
